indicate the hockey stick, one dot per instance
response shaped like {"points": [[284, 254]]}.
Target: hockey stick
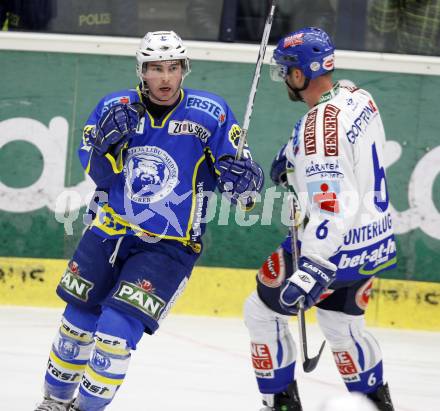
{"points": [[309, 364], [253, 92]]}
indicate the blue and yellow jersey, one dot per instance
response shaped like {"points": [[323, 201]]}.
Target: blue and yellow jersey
{"points": [[160, 182]]}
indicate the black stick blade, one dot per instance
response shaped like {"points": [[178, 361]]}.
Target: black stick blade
{"points": [[310, 364]]}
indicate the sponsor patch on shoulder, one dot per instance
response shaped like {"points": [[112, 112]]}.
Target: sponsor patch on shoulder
{"points": [[361, 123], [234, 135], [310, 133], [113, 101], [331, 130], [207, 105]]}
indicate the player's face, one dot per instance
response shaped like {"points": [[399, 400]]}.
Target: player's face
{"points": [[163, 79], [295, 79]]}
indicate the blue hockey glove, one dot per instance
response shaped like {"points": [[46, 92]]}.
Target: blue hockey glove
{"points": [[309, 281], [240, 179], [278, 169], [115, 126]]}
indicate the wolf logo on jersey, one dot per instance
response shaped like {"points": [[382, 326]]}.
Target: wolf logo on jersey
{"points": [[151, 174]]}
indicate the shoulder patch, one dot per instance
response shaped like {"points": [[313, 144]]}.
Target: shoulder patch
{"points": [[310, 133], [331, 130], [234, 135], [207, 105], [113, 101], [362, 121]]}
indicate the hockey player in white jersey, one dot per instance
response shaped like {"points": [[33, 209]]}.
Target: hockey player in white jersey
{"points": [[334, 163]]}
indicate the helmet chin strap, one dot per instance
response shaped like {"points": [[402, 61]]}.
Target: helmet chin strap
{"points": [[296, 96], [144, 89]]}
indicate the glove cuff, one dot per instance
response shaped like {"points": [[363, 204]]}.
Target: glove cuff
{"points": [[320, 273]]}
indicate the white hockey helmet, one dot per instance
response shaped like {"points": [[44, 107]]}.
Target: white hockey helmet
{"points": [[161, 46]]}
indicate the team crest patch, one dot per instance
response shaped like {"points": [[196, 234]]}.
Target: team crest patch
{"points": [[88, 135], [99, 361], [234, 135], [273, 271], [68, 349], [150, 174]]}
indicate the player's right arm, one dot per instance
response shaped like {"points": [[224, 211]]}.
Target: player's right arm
{"points": [[105, 135], [239, 180]]}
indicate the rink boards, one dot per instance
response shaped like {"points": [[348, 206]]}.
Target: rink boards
{"points": [[40, 125], [220, 292], [44, 192]]}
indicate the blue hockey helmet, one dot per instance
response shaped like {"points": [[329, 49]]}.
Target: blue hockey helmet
{"points": [[309, 49]]}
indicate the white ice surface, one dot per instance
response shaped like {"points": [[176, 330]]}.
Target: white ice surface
{"points": [[202, 364]]}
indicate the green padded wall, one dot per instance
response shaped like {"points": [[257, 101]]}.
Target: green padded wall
{"points": [[44, 86]]}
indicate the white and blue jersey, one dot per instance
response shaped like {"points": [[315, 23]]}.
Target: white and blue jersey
{"points": [[159, 184], [337, 154]]}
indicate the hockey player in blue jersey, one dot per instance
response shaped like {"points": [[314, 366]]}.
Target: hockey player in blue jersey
{"points": [[334, 163], [155, 153]]}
